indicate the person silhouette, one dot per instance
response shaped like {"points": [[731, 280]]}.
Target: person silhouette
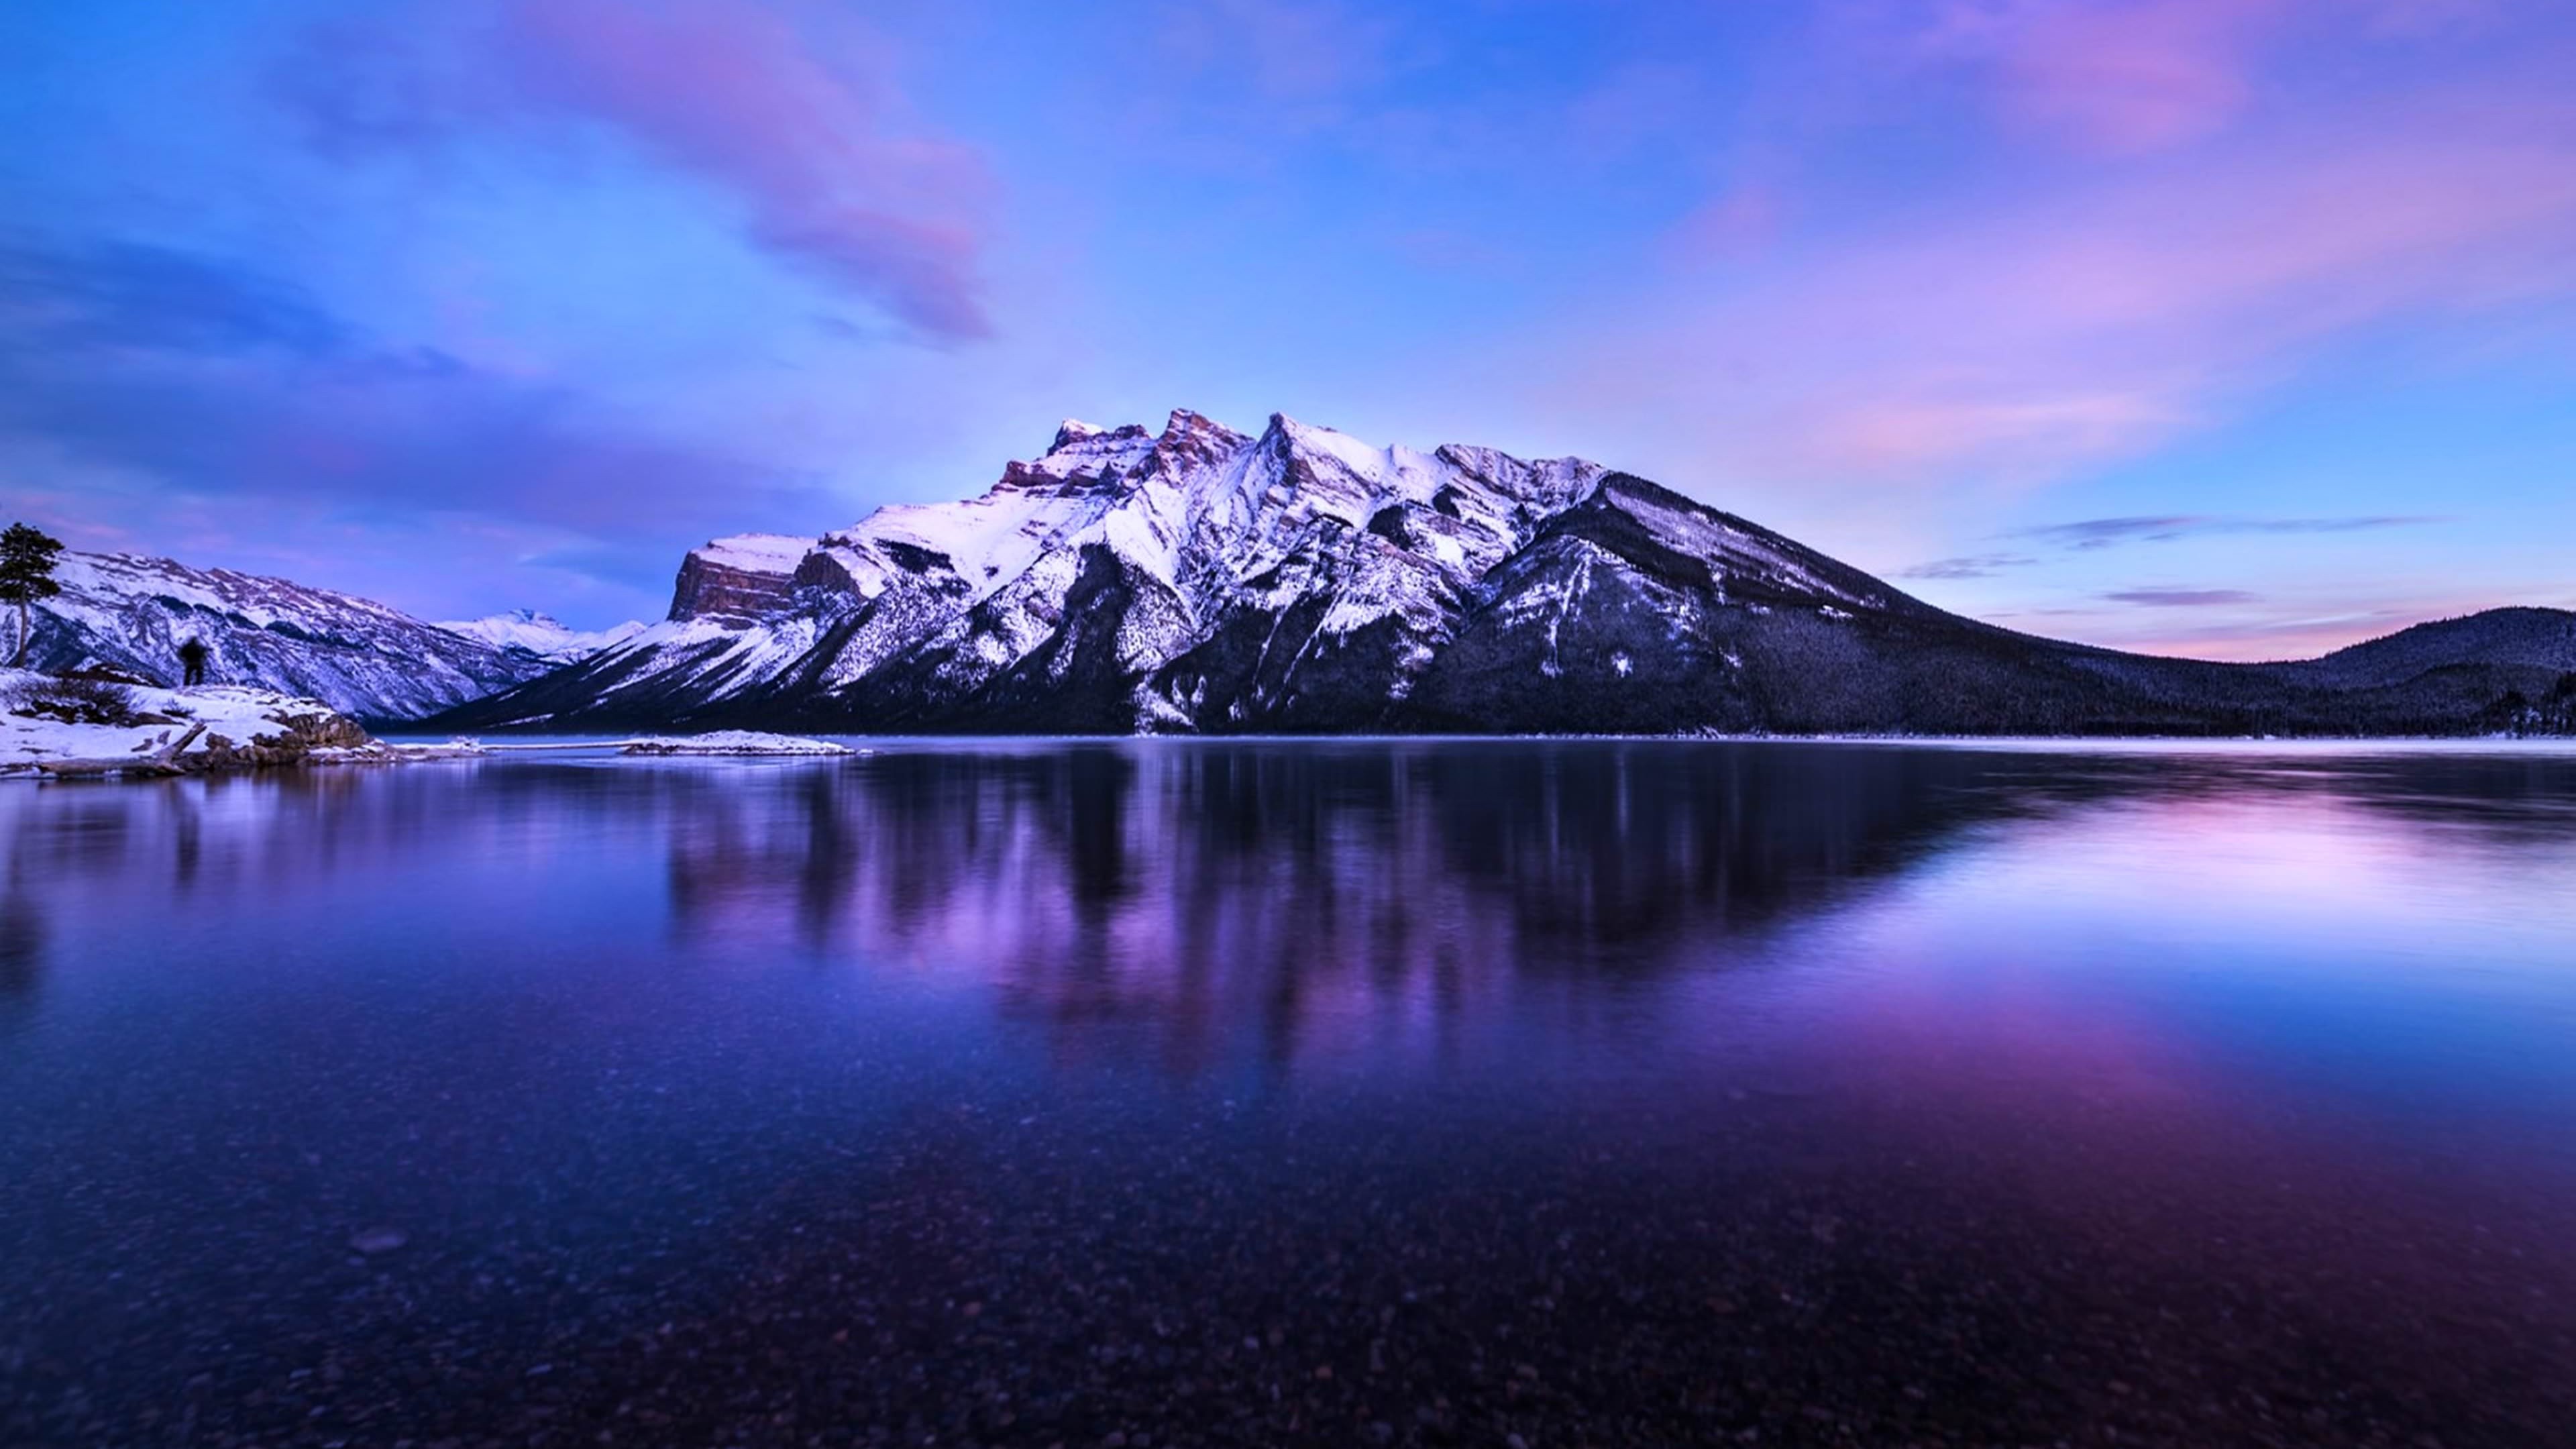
{"points": [[192, 657]]}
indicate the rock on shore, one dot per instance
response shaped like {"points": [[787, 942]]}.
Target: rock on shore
{"points": [[47, 720]]}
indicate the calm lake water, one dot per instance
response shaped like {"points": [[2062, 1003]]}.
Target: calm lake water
{"points": [[1337, 1093]]}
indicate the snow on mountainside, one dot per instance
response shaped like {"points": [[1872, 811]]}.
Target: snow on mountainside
{"points": [[1200, 579], [1124, 579], [541, 635], [360, 657]]}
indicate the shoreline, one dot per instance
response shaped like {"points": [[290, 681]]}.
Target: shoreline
{"points": [[235, 729], [56, 728]]}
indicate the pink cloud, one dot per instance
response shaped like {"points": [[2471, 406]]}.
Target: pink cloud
{"points": [[1935, 420], [2129, 77], [2132, 75], [2092, 322], [733, 95]]}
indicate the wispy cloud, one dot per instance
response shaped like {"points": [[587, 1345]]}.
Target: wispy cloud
{"points": [[2181, 598], [2125, 77], [1972, 566], [133, 295], [733, 95], [2093, 533], [2018, 334], [2089, 534], [263, 405]]}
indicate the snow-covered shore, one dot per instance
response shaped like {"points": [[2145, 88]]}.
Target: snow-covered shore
{"points": [[213, 727], [53, 726]]}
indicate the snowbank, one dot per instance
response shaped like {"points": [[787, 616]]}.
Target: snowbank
{"points": [[236, 726]]}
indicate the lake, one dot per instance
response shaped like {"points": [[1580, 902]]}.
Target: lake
{"points": [[1352, 1092]]}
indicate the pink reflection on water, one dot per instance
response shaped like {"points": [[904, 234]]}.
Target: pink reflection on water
{"points": [[2289, 1039]]}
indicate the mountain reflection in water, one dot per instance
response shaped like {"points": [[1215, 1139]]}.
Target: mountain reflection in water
{"points": [[1152, 884], [1266, 1092]]}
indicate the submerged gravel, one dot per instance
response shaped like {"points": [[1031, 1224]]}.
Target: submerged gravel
{"points": [[883, 1103]]}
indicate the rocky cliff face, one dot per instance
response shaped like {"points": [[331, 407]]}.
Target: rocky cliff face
{"points": [[1204, 580], [739, 578], [132, 614]]}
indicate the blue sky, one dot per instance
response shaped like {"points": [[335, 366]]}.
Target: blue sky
{"points": [[2232, 327]]}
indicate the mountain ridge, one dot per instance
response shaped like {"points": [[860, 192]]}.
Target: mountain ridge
{"points": [[1204, 580], [130, 613], [542, 635]]}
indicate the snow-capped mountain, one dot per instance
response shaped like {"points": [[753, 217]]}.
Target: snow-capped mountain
{"points": [[540, 636], [1200, 579], [358, 656], [1124, 580]]}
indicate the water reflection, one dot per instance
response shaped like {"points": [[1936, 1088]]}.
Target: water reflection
{"points": [[22, 954], [1195, 885], [1115, 880], [1153, 881], [1829, 1093], [1572, 858]]}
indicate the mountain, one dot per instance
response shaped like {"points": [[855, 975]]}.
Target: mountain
{"points": [[540, 636], [1203, 580], [362, 658], [2497, 638]]}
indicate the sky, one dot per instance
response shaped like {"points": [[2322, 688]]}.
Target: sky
{"points": [[2233, 328]]}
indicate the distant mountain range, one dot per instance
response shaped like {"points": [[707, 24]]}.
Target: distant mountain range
{"points": [[1203, 580], [130, 614], [1200, 580], [525, 631]]}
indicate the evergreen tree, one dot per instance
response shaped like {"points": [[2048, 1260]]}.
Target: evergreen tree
{"points": [[26, 575]]}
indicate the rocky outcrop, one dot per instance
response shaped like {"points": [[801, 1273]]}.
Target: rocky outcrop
{"points": [[738, 578], [295, 741], [85, 727]]}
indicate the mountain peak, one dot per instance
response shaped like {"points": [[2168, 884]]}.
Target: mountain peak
{"points": [[1074, 433], [1185, 422], [1190, 439], [538, 635]]}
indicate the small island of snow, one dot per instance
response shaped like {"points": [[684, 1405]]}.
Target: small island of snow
{"points": [[734, 742]]}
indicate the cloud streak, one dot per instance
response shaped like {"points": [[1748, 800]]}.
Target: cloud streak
{"points": [[2093, 533], [2120, 78], [263, 406], [2181, 598], [2090, 534], [732, 95], [2020, 333], [136, 296], [1971, 566]]}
